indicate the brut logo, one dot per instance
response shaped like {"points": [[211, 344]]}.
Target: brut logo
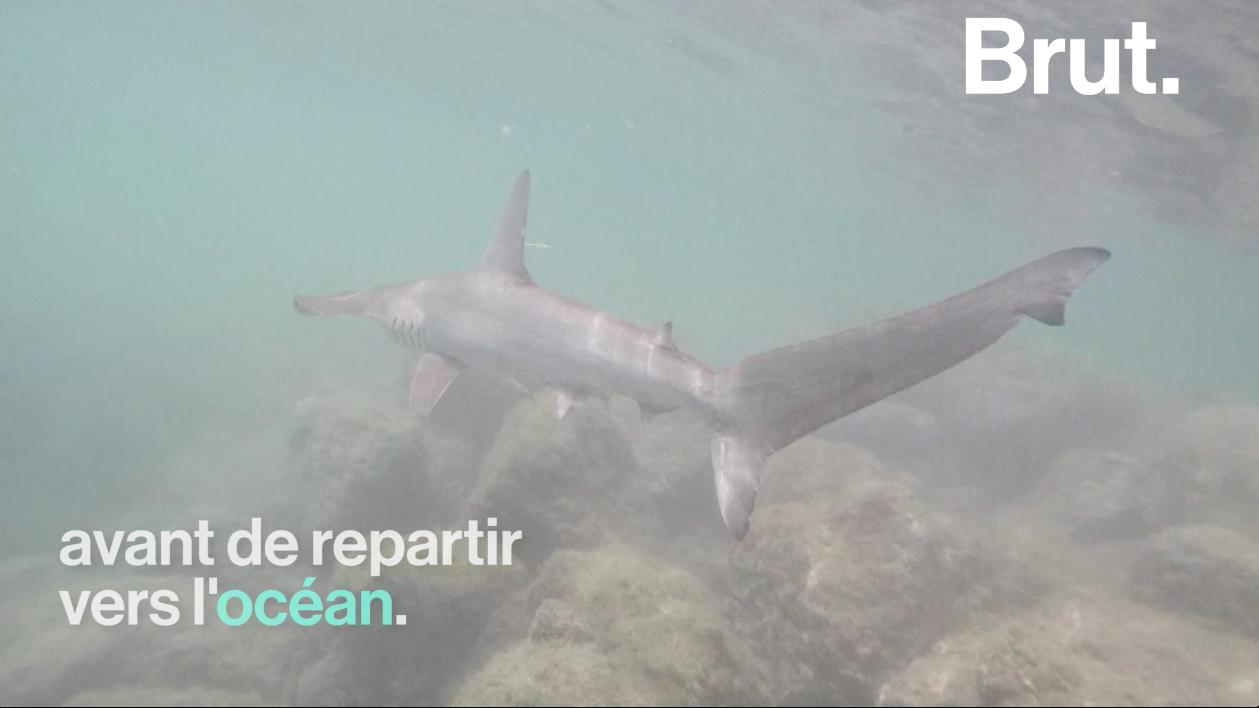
{"points": [[1138, 44]]}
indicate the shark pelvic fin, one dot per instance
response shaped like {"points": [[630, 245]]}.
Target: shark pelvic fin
{"points": [[432, 376], [506, 253]]}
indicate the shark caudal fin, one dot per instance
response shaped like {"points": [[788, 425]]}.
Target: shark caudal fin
{"points": [[774, 398]]}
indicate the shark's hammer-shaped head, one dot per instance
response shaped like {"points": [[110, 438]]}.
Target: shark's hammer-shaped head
{"points": [[399, 308], [402, 308]]}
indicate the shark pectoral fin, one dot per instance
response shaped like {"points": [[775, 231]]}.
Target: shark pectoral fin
{"points": [[432, 376], [563, 403], [737, 465], [506, 253]]}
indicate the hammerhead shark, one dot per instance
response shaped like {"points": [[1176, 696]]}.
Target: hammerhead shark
{"points": [[495, 317]]}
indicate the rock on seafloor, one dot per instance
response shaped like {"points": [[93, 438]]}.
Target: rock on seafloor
{"points": [[44, 660], [1207, 571], [1081, 649], [560, 481], [616, 626], [846, 575], [856, 583], [146, 696], [675, 474], [1215, 450], [1103, 495], [355, 461], [998, 421], [447, 609]]}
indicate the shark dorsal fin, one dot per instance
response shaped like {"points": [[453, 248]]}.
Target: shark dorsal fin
{"points": [[664, 336], [506, 253]]}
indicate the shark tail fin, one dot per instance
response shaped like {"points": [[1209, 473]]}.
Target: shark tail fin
{"points": [[772, 399], [1046, 283]]}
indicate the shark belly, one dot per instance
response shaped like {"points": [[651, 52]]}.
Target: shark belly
{"points": [[542, 338]]}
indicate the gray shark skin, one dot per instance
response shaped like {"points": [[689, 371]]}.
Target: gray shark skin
{"points": [[496, 318]]}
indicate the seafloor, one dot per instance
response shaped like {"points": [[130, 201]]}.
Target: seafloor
{"points": [[971, 561]]}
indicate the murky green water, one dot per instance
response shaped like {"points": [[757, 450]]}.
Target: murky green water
{"points": [[171, 174]]}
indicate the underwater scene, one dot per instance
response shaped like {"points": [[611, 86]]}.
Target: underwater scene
{"points": [[639, 273]]}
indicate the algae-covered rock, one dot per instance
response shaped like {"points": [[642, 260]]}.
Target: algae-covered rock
{"points": [[1081, 650], [1106, 496], [150, 696], [1216, 451], [475, 405], [45, 660], [356, 461], [1004, 416], [899, 431], [674, 484], [559, 674], [1207, 571], [846, 575], [560, 481], [616, 626], [446, 607]]}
